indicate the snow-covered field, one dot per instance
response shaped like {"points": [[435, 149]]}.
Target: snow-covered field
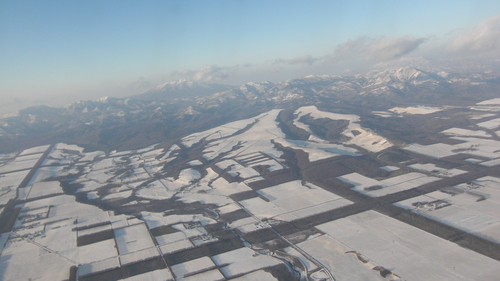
{"points": [[21, 162], [335, 256], [241, 261], [318, 151], [473, 207], [133, 238], [197, 265], [466, 133], [223, 181], [415, 110], [293, 200], [411, 253], [358, 136], [432, 168], [376, 188], [473, 146], [490, 102], [8, 185], [40, 189]]}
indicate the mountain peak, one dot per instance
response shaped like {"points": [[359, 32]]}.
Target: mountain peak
{"points": [[180, 89], [408, 73]]}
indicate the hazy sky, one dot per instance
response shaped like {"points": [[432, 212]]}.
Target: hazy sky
{"points": [[56, 52]]}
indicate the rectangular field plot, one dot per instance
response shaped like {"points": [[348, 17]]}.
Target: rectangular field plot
{"points": [[211, 275], [335, 257], [8, 185], [92, 252], [241, 261], [490, 124], [21, 163], [40, 189], [409, 252], [491, 163], [192, 267], [139, 256], [377, 188], [466, 133], [256, 275], [157, 275], [487, 148], [133, 238], [429, 167], [176, 246], [292, 200], [95, 267], [33, 150], [474, 207]]}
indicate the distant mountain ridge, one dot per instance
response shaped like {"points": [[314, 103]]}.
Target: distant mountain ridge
{"points": [[168, 111], [180, 89]]}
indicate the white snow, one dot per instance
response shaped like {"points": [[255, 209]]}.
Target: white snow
{"points": [[318, 151], [259, 275], [387, 186], [38, 149], [20, 163], [218, 200], [358, 136], [241, 261], [176, 246], [210, 275], [335, 256], [45, 188], [390, 168], [8, 185], [491, 163], [155, 191], [195, 163], [157, 275], [465, 133], [477, 117], [429, 167], [490, 124], [139, 256], [490, 102], [218, 132], [409, 252], [158, 219], [474, 210], [98, 266], [203, 263], [415, 110], [91, 156], [293, 200], [118, 195], [133, 238]]}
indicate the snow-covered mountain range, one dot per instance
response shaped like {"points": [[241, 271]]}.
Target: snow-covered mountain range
{"points": [[180, 107]]}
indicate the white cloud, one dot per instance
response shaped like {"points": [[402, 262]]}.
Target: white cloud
{"points": [[140, 84], [484, 36], [205, 73], [377, 50], [302, 60]]}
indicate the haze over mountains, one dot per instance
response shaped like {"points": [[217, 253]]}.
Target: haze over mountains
{"points": [[387, 175], [178, 107]]}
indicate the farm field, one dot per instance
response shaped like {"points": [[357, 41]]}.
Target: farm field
{"points": [[312, 195]]}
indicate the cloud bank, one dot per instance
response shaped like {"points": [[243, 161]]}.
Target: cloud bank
{"points": [[485, 36], [377, 50], [358, 55], [302, 60], [205, 73]]}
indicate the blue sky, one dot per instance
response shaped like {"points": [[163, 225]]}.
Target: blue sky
{"points": [[61, 51]]}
